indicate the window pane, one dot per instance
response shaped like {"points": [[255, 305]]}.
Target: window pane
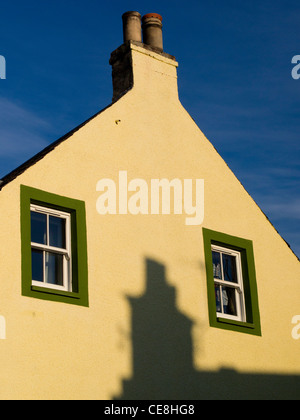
{"points": [[54, 269], [37, 265], [229, 268], [216, 265], [38, 227], [229, 301], [218, 298], [57, 232]]}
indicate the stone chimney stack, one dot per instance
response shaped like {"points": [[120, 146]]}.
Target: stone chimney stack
{"points": [[141, 51]]}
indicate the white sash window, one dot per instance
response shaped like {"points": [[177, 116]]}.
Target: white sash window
{"points": [[228, 282], [50, 248]]}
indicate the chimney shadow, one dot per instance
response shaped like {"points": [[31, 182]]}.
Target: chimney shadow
{"points": [[163, 355]]}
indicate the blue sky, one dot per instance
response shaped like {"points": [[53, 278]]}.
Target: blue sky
{"points": [[234, 79]]}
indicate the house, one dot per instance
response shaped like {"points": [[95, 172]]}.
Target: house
{"points": [[134, 264]]}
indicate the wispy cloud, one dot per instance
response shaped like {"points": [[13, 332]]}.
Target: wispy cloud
{"points": [[287, 209], [22, 134]]}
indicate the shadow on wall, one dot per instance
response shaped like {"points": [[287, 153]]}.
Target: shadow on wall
{"points": [[163, 356]]}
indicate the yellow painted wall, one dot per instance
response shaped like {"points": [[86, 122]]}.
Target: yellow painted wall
{"points": [[55, 350]]}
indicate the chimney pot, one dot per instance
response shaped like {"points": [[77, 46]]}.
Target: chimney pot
{"points": [[132, 27], [152, 30]]}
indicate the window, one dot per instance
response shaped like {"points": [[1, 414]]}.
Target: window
{"points": [[50, 248], [54, 254], [228, 283], [231, 283]]}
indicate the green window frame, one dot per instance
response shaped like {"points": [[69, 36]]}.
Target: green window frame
{"points": [[251, 325], [79, 279]]}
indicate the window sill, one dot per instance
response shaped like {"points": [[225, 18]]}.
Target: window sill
{"points": [[235, 323], [56, 292]]}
